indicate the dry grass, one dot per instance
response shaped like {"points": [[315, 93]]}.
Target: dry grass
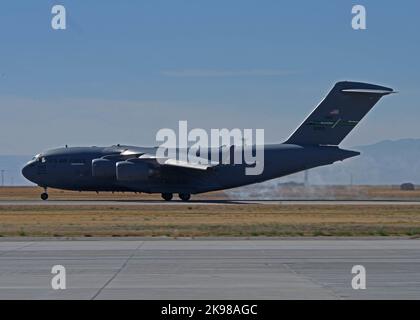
{"points": [[195, 220], [214, 220]]}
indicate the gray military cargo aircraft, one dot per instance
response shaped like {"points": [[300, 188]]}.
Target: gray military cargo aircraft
{"points": [[122, 168]]}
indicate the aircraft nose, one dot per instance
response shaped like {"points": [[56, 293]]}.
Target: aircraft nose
{"points": [[28, 172]]}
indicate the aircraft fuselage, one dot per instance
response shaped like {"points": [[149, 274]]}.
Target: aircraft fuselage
{"points": [[71, 169]]}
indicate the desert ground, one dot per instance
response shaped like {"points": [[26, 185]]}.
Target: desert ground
{"points": [[286, 192], [227, 218]]}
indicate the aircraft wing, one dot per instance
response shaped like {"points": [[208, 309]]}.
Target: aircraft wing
{"points": [[196, 164]]}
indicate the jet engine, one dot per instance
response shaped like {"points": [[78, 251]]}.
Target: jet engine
{"points": [[103, 168], [133, 171]]}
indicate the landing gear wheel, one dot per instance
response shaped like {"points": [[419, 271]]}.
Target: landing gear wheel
{"points": [[184, 196], [167, 196], [44, 196]]}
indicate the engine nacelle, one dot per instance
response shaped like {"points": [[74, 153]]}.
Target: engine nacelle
{"points": [[132, 171], [103, 168]]}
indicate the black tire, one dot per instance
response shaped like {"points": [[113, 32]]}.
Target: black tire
{"points": [[44, 196], [167, 196], [184, 196]]}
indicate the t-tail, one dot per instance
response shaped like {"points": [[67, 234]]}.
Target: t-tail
{"points": [[340, 111]]}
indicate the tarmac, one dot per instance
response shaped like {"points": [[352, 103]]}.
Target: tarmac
{"points": [[142, 268]]}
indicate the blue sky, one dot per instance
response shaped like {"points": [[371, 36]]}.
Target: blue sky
{"points": [[124, 69]]}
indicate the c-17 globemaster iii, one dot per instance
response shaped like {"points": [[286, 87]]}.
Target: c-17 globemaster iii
{"points": [[123, 168]]}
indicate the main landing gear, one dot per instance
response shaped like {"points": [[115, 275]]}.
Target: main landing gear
{"points": [[167, 196], [182, 196], [44, 195]]}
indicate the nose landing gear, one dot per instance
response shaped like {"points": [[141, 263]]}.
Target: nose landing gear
{"points": [[44, 195]]}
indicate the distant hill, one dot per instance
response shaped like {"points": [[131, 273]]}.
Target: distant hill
{"points": [[386, 162], [383, 163]]}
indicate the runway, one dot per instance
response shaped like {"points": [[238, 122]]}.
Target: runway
{"points": [[139, 268], [205, 202]]}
